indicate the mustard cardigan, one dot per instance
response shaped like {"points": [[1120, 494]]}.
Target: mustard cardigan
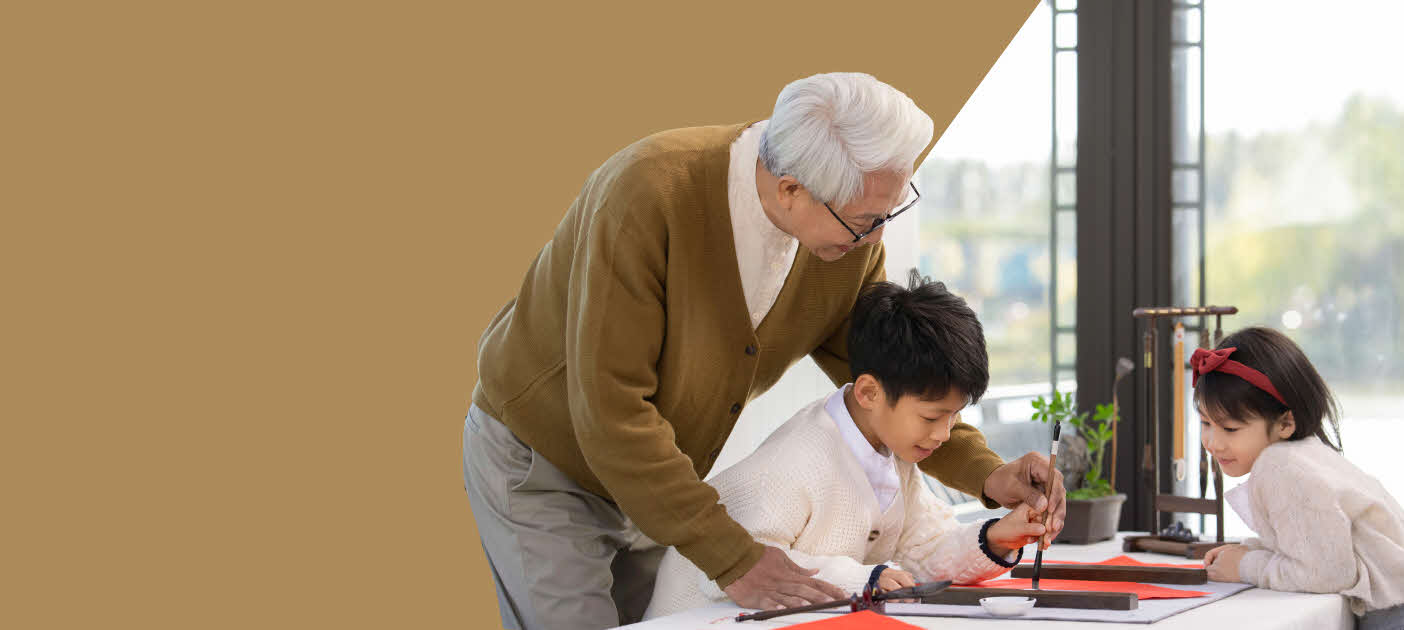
{"points": [[628, 353]]}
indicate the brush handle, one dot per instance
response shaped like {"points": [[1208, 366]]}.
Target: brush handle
{"points": [[1177, 367], [767, 614], [1048, 489], [1048, 495], [915, 592], [911, 592]]}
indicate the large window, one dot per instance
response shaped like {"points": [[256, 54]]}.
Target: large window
{"points": [[997, 224], [1302, 196]]}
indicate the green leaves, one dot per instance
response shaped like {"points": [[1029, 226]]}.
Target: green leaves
{"points": [[1099, 488], [1097, 432], [1059, 409]]}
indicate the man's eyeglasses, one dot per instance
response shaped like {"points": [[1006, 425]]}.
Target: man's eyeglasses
{"points": [[881, 221]]}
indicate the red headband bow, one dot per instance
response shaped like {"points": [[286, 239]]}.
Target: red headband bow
{"points": [[1206, 361]]}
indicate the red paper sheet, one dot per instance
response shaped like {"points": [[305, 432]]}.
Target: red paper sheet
{"points": [[1142, 591], [1126, 561], [859, 620]]}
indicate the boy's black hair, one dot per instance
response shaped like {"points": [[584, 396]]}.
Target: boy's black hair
{"points": [[922, 341], [1283, 362]]}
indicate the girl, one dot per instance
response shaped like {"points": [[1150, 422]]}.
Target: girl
{"points": [[1323, 525]]}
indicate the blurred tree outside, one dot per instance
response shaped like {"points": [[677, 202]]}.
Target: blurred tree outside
{"points": [[1305, 234], [984, 232]]}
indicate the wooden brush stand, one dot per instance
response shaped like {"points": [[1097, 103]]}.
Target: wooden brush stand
{"points": [[1155, 542]]}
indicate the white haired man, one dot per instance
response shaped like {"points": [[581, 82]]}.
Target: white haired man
{"points": [[695, 266]]}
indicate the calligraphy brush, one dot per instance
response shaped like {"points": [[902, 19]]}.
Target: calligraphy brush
{"points": [[911, 592], [1048, 492]]}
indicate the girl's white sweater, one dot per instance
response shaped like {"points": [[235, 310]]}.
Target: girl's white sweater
{"points": [[1323, 525]]}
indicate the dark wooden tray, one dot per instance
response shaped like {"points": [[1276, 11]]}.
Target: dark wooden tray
{"points": [[1046, 599], [1105, 573], [1158, 544]]}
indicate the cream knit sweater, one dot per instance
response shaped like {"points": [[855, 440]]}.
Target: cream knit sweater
{"points": [[803, 491], [1323, 525]]}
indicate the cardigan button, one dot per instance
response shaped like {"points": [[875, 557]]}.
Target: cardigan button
{"points": [[751, 350], [713, 456], [873, 535], [736, 408]]}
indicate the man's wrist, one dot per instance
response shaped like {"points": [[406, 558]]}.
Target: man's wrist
{"points": [[989, 502], [985, 489], [747, 562]]}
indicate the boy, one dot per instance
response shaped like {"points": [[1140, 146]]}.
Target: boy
{"points": [[917, 357]]}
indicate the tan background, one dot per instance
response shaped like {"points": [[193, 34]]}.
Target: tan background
{"points": [[248, 252]]}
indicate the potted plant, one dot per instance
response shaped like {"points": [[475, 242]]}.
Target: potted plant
{"points": [[1094, 506]]}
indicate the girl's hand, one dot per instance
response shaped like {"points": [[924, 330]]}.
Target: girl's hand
{"points": [[1222, 563], [893, 579], [1019, 527]]}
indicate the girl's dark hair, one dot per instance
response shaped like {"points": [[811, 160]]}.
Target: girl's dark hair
{"points": [[1283, 362], [923, 341]]}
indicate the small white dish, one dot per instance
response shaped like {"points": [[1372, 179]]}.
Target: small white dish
{"points": [[1007, 606]]}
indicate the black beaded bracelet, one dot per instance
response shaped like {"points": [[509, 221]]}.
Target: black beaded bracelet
{"points": [[985, 547], [873, 577]]}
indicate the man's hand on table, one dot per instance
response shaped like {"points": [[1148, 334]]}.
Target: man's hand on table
{"points": [[776, 582]]}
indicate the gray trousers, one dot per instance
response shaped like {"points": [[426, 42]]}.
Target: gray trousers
{"points": [[1383, 619], [561, 556]]}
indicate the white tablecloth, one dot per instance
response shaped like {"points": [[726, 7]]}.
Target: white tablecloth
{"points": [[1251, 609]]}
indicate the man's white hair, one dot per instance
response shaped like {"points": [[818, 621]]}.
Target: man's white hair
{"points": [[828, 130]]}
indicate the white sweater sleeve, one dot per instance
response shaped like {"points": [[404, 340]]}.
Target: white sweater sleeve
{"points": [[934, 546], [841, 571], [776, 506], [1252, 543], [1313, 551]]}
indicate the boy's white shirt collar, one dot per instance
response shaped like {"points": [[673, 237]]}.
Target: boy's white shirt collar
{"points": [[880, 468], [1240, 499]]}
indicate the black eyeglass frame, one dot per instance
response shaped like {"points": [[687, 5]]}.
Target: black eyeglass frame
{"points": [[878, 223]]}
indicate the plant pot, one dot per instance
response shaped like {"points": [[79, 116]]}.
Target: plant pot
{"points": [[1091, 520]]}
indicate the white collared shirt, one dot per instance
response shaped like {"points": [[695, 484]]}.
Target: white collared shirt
{"points": [[880, 467], [764, 254]]}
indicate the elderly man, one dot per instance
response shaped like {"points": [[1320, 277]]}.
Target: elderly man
{"points": [[694, 268]]}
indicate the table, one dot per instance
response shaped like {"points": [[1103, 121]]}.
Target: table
{"points": [[1254, 608]]}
